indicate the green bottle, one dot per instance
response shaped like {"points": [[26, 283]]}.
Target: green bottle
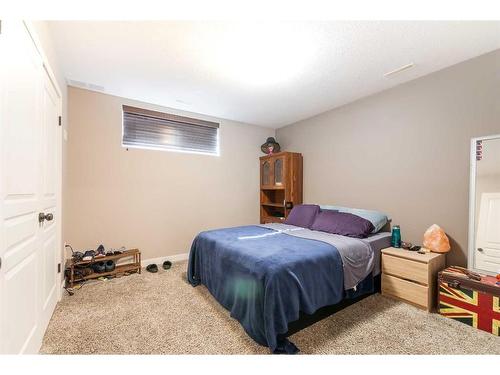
{"points": [[396, 236]]}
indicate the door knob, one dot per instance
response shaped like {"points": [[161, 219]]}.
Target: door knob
{"points": [[480, 249], [42, 217]]}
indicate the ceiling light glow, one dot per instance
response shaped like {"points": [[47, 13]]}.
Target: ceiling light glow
{"points": [[262, 54]]}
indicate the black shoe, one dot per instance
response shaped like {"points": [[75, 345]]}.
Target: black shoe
{"points": [[167, 264], [99, 267], [89, 255], [85, 271], [100, 252], [110, 265], [78, 256], [119, 251], [153, 268]]}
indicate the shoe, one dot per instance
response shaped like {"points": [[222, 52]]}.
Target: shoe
{"points": [[119, 251], [153, 268], [87, 271], [100, 252], [83, 271], [99, 267], [78, 274], [167, 264], [110, 265], [89, 255], [77, 256]]}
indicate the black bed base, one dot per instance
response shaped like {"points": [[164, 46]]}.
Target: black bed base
{"points": [[306, 320]]}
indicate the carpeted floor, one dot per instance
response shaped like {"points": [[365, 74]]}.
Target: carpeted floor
{"points": [[162, 314]]}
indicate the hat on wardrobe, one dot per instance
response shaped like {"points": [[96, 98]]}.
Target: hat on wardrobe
{"points": [[271, 146]]}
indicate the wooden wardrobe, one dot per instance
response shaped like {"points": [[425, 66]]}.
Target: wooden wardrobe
{"points": [[280, 185]]}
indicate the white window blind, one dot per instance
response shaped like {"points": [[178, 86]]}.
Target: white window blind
{"points": [[150, 129]]}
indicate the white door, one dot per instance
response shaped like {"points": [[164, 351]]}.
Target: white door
{"points": [[29, 184], [50, 254], [487, 251]]}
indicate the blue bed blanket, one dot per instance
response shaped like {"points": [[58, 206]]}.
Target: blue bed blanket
{"points": [[265, 278]]}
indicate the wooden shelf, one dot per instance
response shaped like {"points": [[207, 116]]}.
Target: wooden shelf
{"points": [[270, 204], [280, 181], [124, 254], [273, 219], [134, 265], [276, 187]]}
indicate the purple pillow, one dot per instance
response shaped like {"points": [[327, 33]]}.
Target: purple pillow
{"points": [[342, 223], [302, 215]]}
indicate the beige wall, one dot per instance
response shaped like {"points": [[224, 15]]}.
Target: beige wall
{"points": [[404, 151], [154, 200]]}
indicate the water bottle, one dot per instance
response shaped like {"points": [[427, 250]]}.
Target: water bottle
{"points": [[396, 236]]}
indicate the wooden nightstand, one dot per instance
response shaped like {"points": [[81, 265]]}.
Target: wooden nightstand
{"points": [[410, 276]]}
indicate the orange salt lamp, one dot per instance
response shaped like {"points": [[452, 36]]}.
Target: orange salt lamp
{"points": [[436, 240]]}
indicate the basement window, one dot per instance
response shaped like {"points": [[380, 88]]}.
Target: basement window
{"points": [[147, 129]]}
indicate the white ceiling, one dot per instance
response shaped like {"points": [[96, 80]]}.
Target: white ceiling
{"points": [[264, 73]]}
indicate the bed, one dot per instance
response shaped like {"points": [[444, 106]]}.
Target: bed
{"points": [[270, 276]]}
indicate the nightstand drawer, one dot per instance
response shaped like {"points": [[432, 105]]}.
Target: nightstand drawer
{"points": [[407, 290], [406, 269]]}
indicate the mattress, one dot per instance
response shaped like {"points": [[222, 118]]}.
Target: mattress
{"points": [[378, 241], [360, 257]]}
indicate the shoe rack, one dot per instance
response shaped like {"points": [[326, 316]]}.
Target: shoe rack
{"points": [[132, 264]]}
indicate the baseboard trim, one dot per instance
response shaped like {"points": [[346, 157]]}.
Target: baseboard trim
{"points": [[160, 260]]}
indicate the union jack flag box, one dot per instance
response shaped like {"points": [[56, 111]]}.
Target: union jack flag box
{"points": [[470, 298]]}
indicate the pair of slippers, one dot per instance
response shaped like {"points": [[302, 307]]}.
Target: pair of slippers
{"points": [[101, 267], [153, 268]]}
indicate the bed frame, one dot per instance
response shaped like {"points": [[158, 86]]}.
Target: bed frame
{"points": [[306, 320]]}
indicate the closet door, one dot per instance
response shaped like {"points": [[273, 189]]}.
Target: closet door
{"points": [[27, 171], [49, 229]]}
